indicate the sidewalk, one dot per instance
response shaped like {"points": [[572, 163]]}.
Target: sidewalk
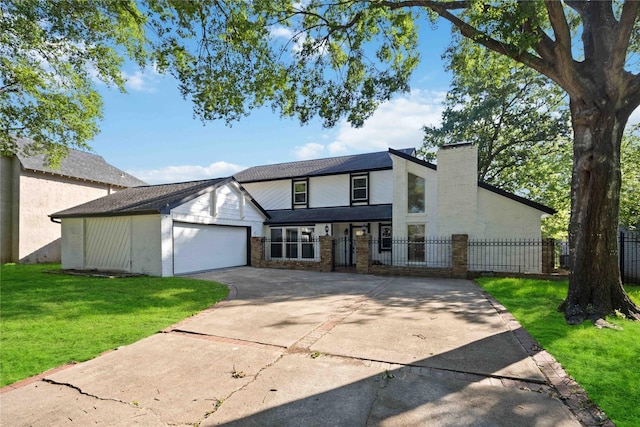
{"points": [[297, 348]]}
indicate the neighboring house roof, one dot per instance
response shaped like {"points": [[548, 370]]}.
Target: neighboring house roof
{"points": [[80, 165], [337, 214], [149, 199], [329, 166], [493, 189]]}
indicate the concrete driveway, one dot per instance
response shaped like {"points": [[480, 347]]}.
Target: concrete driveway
{"points": [[292, 348]]}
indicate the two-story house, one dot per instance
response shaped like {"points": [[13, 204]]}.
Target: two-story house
{"points": [[384, 194], [188, 227]]}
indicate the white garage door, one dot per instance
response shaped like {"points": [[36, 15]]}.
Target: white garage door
{"points": [[199, 247]]}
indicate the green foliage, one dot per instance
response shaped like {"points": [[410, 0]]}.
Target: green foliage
{"points": [[604, 362], [51, 54], [48, 320], [515, 117], [630, 192], [330, 60]]}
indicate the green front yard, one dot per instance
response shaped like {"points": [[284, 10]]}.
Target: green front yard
{"points": [[605, 362], [47, 320]]}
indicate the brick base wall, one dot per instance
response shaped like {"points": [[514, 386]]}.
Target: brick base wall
{"points": [[459, 269], [390, 270]]}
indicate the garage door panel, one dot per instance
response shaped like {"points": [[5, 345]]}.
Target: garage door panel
{"points": [[108, 244], [198, 247]]}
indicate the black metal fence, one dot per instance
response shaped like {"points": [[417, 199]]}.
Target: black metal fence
{"points": [[628, 256], [344, 252], [292, 250], [505, 255], [430, 252]]}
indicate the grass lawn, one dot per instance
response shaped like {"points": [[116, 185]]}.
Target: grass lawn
{"points": [[47, 320], [605, 362]]}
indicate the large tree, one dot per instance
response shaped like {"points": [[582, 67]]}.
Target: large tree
{"points": [[51, 54], [343, 58]]}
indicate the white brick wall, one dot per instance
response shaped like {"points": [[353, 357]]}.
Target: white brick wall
{"points": [[73, 243], [146, 245], [458, 190]]}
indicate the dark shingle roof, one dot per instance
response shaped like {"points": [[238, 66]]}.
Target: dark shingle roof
{"points": [[80, 165], [329, 166], [143, 200], [338, 214]]}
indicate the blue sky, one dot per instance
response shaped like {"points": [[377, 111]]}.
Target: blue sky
{"points": [[151, 132]]}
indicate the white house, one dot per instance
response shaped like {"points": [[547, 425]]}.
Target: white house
{"points": [[163, 230], [188, 227], [386, 194]]}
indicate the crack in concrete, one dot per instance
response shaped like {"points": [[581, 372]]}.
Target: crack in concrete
{"points": [[241, 388], [84, 393]]}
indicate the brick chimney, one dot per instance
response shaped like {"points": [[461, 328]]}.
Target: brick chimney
{"points": [[457, 170]]}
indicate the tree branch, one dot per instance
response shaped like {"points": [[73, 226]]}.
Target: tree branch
{"points": [[623, 33], [467, 30], [560, 27]]}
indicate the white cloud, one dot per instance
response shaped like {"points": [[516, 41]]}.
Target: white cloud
{"points": [[278, 31], [308, 151], [186, 173], [396, 124], [142, 80]]}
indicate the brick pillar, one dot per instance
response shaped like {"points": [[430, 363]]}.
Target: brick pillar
{"points": [[363, 258], [459, 255], [257, 251], [326, 253], [548, 258]]}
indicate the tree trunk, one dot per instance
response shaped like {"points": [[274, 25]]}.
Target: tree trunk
{"points": [[595, 286]]}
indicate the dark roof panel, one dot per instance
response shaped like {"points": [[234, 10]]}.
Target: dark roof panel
{"points": [[143, 199], [337, 214], [80, 165], [328, 166]]}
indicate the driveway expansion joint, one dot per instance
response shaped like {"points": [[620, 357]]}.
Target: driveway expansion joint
{"points": [[226, 340]]}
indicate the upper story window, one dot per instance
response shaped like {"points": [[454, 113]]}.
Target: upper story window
{"points": [[300, 193], [415, 194], [359, 188]]}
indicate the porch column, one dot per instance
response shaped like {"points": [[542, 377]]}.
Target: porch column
{"points": [[257, 252], [363, 257], [548, 246], [459, 244], [326, 253]]}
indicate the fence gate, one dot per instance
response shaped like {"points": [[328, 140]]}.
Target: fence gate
{"points": [[629, 256], [344, 253]]}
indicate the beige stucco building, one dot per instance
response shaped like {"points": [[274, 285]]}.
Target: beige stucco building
{"points": [[30, 191]]}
